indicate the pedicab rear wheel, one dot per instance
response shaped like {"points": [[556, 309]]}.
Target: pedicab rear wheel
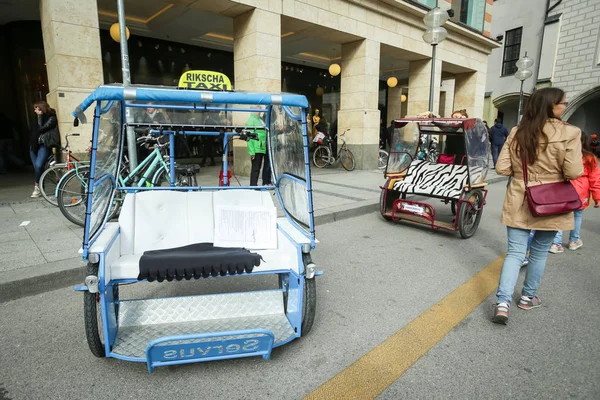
{"points": [[92, 316], [309, 305], [469, 217]]}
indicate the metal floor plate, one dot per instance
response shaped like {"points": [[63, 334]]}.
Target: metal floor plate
{"points": [[141, 321]]}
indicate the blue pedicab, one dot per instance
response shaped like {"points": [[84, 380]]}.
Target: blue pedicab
{"points": [[172, 233]]}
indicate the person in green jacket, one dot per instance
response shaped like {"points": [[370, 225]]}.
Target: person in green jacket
{"points": [[257, 149]]}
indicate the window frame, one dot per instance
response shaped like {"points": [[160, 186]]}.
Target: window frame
{"points": [[504, 60]]}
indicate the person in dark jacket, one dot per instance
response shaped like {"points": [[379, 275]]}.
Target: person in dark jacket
{"points": [[498, 135], [44, 136]]}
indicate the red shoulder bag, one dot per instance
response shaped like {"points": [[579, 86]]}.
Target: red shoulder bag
{"points": [[550, 198]]}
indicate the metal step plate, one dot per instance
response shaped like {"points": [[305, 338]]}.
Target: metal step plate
{"points": [[142, 321]]}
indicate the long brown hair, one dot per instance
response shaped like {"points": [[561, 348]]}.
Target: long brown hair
{"points": [[589, 158], [530, 137], [45, 107]]}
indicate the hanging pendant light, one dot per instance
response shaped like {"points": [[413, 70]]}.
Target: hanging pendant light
{"points": [[335, 69], [115, 32], [392, 81]]}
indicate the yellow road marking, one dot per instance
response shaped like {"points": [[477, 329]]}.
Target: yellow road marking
{"points": [[375, 371]]}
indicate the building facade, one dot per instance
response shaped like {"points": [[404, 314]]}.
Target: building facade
{"points": [[268, 45], [563, 39]]}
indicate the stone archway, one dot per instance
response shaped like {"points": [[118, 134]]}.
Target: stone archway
{"points": [[508, 105], [583, 111]]}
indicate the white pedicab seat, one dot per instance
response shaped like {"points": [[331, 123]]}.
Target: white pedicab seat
{"points": [[439, 180], [156, 220], [161, 220]]}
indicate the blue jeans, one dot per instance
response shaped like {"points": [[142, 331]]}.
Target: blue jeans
{"points": [[574, 235], [517, 248], [496, 152], [39, 160]]}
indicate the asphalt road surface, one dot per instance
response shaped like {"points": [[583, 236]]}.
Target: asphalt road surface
{"points": [[378, 277]]}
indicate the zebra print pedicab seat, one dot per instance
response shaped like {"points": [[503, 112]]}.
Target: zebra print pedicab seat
{"points": [[438, 180]]}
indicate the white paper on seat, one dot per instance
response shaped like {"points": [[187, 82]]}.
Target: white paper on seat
{"points": [[246, 226]]}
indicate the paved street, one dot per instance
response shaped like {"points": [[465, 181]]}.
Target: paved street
{"points": [[378, 278]]}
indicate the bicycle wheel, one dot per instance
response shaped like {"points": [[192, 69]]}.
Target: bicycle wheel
{"points": [[49, 182], [321, 156], [162, 178], [72, 195], [347, 159], [382, 159]]}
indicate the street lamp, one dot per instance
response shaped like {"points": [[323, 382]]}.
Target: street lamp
{"points": [[131, 143], [523, 73], [434, 35]]}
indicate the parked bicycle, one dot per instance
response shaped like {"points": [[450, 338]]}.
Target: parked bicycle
{"points": [[153, 171], [55, 171], [382, 159], [324, 156]]}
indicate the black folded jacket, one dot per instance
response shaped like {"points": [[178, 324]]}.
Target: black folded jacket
{"points": [[199, 260]]}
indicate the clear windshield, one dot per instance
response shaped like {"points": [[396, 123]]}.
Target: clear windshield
{"points": [[289, 167], [107, 161], [405, 142], [478, 152]]}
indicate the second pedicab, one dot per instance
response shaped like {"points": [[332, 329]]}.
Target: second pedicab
{"points": [[456, 178]]}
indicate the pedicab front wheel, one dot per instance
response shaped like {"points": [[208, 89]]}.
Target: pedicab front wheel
{"points": [[469, 216], [309, 305]]}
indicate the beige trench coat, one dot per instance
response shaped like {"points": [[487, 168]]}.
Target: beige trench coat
{"points": [[561, 160]]}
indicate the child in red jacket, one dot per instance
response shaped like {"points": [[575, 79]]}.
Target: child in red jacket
{"points": [[587, 186]]}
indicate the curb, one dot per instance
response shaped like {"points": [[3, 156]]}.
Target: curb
{"points": [[40, 278], [43, 278]]}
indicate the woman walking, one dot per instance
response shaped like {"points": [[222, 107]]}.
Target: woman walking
{"points": [[552, 149], [44, 136]]}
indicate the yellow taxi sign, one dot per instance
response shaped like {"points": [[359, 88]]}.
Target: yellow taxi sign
{"points": [[204, 80]]}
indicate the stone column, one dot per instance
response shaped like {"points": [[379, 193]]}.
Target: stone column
{"points": [[73, 60], [469, 93], [257, 66], [359, 101], [419, 80]]}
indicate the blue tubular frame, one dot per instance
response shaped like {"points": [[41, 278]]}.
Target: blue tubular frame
{"points": [[163, 94], [90, 192], [308, 180]]}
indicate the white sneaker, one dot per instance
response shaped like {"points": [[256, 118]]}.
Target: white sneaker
{"points": [[36, 192]]}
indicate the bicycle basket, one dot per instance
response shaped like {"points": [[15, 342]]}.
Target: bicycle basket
{"points": [[319, 138]]}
